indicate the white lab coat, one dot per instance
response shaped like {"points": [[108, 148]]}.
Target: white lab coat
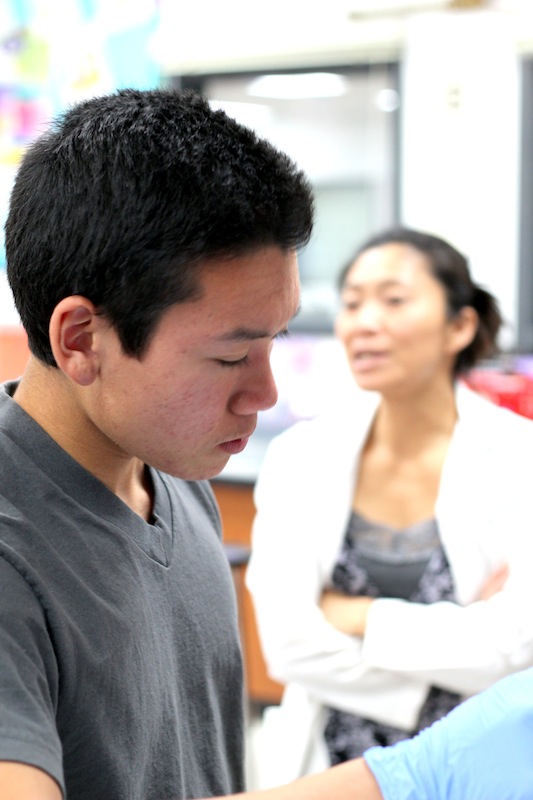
{"points": [[304, 497]]}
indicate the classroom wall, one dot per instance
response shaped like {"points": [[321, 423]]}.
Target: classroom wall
{"points": [[460, 120], [51, 55], [460, 156], [461, 113]]}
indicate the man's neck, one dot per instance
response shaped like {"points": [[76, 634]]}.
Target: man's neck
{"points": [[51, 399]]}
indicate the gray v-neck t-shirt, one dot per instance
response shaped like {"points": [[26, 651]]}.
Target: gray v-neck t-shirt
{"points": [[120, 661]]}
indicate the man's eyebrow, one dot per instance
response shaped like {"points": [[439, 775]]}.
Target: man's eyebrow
{"points": [[249, 334]]}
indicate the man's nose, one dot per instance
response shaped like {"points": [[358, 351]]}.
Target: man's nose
{"points": [[258, 392]]}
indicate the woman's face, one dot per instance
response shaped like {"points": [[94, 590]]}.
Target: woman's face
{"points": [[393, 321]]}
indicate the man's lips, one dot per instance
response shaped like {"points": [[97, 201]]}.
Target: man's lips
{"points": [[234, 446]]}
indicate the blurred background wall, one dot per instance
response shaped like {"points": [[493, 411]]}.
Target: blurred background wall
{"points": [[52, 54], [412, 111]]}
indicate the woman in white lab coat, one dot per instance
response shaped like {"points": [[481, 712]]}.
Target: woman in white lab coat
{"points": [[392, 553]]}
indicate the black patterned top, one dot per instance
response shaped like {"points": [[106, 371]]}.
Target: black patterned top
{"points": [[379, 561]]}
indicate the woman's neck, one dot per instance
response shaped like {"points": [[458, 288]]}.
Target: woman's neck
{"points": [[409, 423]]}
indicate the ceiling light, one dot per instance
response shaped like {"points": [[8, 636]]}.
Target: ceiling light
{"points": [[298, 85], [253, 115]]}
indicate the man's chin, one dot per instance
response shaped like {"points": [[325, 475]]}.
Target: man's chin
{"points": [[200, 472]]}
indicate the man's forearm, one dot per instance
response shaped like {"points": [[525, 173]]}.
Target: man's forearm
{"points": [[352, 780]]}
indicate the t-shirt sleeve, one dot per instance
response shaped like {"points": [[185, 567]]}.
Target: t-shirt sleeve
{"points": [[482, 750], [28, 677]]}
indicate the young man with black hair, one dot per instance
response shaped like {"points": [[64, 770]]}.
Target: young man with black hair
{"points": [[151, 250]]}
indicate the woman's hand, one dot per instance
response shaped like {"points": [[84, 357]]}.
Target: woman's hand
{"points": [[494, 583], [346, 614], [349, 614]]}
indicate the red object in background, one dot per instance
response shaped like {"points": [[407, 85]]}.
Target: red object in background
{"points": [[510, 390], [14, 352]]}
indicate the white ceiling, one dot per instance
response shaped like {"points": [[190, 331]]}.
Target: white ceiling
{"points": [[213, 36]]}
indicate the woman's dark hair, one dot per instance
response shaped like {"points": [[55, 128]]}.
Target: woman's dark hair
{"points": [[450, 268], [128, 194]]}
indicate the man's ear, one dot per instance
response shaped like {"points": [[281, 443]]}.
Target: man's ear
{"points": [[72, 327], [463, 329]]}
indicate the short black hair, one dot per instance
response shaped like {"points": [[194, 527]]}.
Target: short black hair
{"points": [[127, 193], [450, 268]]}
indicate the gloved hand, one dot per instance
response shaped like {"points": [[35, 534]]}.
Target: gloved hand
{"points": [[482, 750]]}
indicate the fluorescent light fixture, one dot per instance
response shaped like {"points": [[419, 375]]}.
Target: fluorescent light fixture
{"points": [[298, 85], [253, 115]]}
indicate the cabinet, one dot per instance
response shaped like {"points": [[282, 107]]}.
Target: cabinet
{"points": [[237, 511]]}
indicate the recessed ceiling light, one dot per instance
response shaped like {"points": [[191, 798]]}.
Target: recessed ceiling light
{"points": [[254, 115], [298, 85]]}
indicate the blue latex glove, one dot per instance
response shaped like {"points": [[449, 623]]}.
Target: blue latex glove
{"points": [[482, 750]]}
